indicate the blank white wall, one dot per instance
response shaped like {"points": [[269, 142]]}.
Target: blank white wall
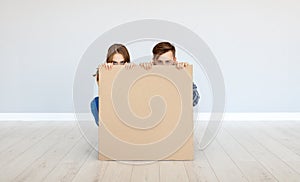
{"points": [[255, 42]]}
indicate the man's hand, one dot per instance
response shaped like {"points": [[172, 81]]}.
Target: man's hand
{"points": [[181, 65], [146, 66]]}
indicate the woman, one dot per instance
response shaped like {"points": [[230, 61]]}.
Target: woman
{"points": [[117, 54]]}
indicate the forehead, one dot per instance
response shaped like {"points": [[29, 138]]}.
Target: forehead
{"points": [[118, 57], [166, 56]]}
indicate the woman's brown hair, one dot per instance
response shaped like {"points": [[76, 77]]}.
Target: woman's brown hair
{"points": [[117, 49], [112, 50]]}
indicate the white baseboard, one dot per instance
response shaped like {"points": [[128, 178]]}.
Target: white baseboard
{"points": [[253, 116], [41, 116], [276, 116]]}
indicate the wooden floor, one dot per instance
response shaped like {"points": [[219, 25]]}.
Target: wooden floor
{"points": [[243, 151]]}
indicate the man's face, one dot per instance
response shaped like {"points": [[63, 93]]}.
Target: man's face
{"points": [[165, 59]]}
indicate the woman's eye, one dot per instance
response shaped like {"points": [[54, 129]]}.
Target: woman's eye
{"points": [[122, 62]]}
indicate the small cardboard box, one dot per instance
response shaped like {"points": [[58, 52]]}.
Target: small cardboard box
{"points": [[146, 114]]}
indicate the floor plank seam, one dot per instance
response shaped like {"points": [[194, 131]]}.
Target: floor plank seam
{"points": [[251, 154], [80, 168], [272, 152], [210, 165], [34, 144], [37, 158], [232, 159], [63, 157]]}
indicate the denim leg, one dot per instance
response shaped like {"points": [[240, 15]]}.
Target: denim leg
{"points": [[95, 109]]}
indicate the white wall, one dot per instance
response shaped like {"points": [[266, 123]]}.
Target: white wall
{"points": [[256, 43]]}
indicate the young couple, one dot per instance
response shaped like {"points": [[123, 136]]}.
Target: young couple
{"points": [[163, 54]]}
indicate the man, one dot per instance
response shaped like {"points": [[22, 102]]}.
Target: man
{"points": [[164, 54]]}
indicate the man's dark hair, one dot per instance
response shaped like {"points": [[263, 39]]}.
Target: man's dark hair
{"points": [[162, 48]]}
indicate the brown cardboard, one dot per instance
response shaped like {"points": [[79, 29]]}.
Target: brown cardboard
{"points": [[129, 130]]}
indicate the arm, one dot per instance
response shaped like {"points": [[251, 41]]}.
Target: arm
{"points": [[96, 75], [196, 95]]}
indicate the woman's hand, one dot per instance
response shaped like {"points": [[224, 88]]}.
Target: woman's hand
{"points": [[129, 66], [108, 66]]}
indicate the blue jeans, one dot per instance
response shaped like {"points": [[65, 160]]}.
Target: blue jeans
{"points": [[95, 109]]}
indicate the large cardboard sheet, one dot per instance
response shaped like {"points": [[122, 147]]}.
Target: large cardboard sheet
{"points": [[145, 114]]}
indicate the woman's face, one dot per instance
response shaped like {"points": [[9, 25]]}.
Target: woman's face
{"points": [[118, 59]]}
